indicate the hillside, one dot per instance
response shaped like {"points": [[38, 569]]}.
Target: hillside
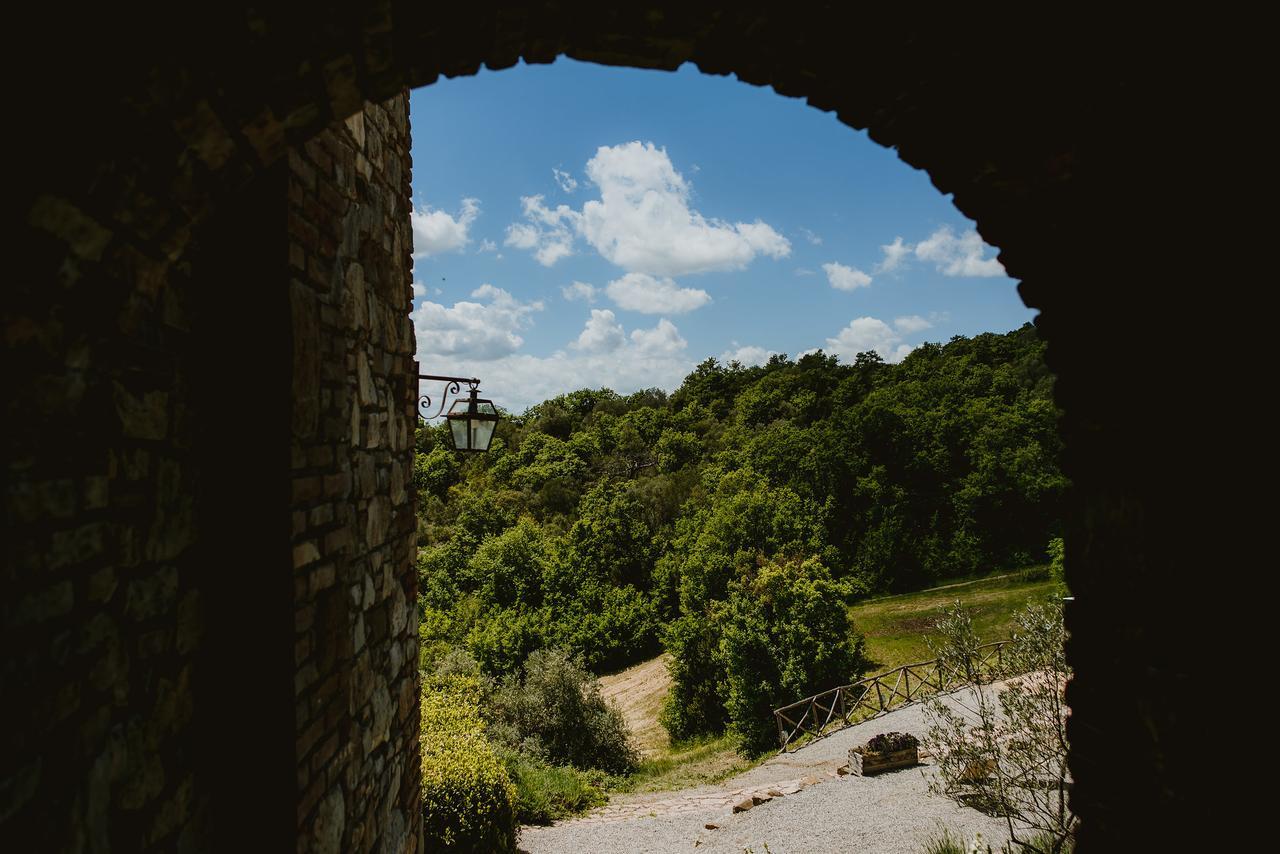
{"points": [[638, 692], [597, 519]]}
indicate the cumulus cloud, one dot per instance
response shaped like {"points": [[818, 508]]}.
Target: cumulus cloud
{"points": [[663, 339], [646, 358], [487, 245], [894, 254], [479, 331], [844, 278], [911, 323], [815, 239], [436, 232], [642, 221], [951, 254], [868, 333], [548, 232], [649, 295], [579, 291], [601, 334], [748, 356], [567, 182]]}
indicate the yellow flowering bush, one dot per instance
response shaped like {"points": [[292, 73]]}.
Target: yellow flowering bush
{"points": [[467, 796]]}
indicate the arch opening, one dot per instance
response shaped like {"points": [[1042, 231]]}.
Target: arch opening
{"points": [[105, 411]]}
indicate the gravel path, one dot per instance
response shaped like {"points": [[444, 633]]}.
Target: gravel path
{"points": [[818, 810]]}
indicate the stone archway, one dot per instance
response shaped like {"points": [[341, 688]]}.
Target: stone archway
{"points": [[109, 616]]}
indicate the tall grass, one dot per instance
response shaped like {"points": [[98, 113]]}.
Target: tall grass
{"points": [[546, 793], [947, 841]]}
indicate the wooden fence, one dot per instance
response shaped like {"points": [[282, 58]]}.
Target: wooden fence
{"points": [[873, 696]]}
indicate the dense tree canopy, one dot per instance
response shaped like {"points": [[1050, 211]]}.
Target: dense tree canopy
{"points": [[612, 524]]}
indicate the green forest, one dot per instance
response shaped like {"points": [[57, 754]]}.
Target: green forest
{"points": [[733, 522]]}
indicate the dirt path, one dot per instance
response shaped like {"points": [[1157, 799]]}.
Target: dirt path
{"points": [[804, 806], [638, 691]]}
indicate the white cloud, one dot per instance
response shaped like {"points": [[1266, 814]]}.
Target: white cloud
{"points": [[894, 254], [958, 256], [487, 245], [950, 254], [436, 232], [663, 339], [647, 358], [805, 271], [642, 221], [601, 334], [815, 239], [868, 333], [648, 295], [549, 232], [911, 323], [844, 278], [748, 356], [477, 331], [567, 182], [579, 291]]}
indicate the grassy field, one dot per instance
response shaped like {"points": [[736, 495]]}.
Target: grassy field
{"points": [[895, 626], [683, 766]]}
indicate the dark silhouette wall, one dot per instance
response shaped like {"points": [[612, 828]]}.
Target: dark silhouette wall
{"points": [[208, 560]]}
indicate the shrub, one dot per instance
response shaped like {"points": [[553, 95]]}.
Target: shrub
{"points": [[786, 636], [610, 627], [554, 710], [545, 792], [506, 636], [467, 796], [1015, 732], [695, 704], [1058, 561]]}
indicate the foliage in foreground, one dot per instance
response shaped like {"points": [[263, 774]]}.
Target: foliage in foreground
{"points": [[545, 792], [467, 796], [553, 709], [542, 722], [947, 841], [1005, 750]]}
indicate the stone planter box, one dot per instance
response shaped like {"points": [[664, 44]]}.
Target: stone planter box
{"points": [[868, 764]]}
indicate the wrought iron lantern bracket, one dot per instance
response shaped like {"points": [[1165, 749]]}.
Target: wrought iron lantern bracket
{"points": [[471, 421], [452, 385]]}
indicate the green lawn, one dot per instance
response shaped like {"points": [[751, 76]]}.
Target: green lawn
{"points": [[895, 626], [682, 766]]}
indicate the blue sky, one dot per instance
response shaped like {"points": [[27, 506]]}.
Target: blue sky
{"points": [[577, 225]]}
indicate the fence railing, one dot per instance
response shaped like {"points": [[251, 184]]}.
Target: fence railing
{"points": [[873, 696]]}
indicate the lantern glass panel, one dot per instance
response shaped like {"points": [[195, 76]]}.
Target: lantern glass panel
{"points": [[481, 434], [458, 424], [461, 436]]}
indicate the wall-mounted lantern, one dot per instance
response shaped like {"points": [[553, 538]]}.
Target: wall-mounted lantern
{"points": [[472, 420]]}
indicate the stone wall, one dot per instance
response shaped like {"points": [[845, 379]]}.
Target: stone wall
{"points": [[209, 605], [354, 416]]}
